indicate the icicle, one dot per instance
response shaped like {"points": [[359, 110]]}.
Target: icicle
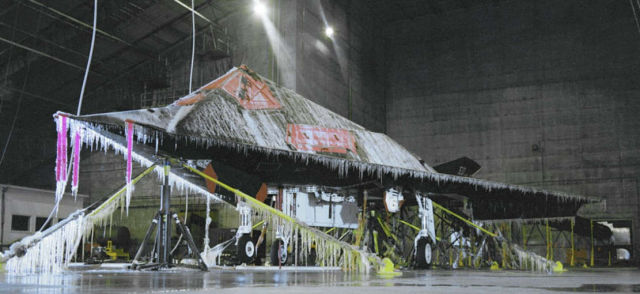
{"points": [[211, 256], [77, 146], [61, 159], [48, 254], [531, 260], [328, 248], [186, 207], [206, 227], [128, 174]]}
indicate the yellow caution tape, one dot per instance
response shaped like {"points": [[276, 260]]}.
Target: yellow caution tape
{"points": [[410, 225], [258, 224], [241, 194], [464, 220]]}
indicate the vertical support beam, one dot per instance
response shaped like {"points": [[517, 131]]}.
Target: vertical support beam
{"points": [[524, 236], [375, 242], [551, 243], [504, 254], [592, 244], [362, 221], [573, 247], [159, 234], [471, 248], [546, 233], [166, 215], [460, 251], [4, 191], [437, 221]]}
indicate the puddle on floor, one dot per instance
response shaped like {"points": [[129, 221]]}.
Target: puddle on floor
{"points": [[332, 282], [601, 288]]}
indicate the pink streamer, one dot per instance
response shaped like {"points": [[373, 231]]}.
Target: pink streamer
{"points": [[58, 147], [77, 146], [129, 148], [63, 150], [61, 158]]}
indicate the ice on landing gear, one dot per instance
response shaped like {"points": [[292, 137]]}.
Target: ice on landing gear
{"points": [[246, 250], [278, 252], [426, 238], [424, 253]]}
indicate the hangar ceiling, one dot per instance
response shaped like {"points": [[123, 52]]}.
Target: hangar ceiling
{"points": [[44, 48]]}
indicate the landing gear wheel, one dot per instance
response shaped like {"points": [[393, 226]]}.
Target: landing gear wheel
{"points": [[246, 249], [423, 253], [278, 253]]}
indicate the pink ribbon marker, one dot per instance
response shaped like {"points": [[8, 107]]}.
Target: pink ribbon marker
{"points": [[63, 150], [129, 148], [61, 157], [77, 146]]}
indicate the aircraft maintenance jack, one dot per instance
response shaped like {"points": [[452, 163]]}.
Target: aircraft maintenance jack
{"points": [[160, 256]]}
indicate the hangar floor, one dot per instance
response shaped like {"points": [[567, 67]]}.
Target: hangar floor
{"points": [[618, 280]]}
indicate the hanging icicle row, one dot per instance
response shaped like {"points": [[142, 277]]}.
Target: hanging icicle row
{"points": [[61, 158], [207, 224], [210, 257], [77, 147], [333, 251], [51, 253], [129, 133], [52, 250], [330, 251]]}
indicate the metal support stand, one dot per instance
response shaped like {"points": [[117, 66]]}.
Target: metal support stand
{"points": [[153, 225], [165, 244], [160, 256], [184, 230]]}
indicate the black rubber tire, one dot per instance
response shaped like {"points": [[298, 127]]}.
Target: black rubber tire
{"points": [[244, 245], [423, 260], [276, 248]]}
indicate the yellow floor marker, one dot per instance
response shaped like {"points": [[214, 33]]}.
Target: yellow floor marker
{"points": [[495, 266], [388, 269], [558, 268]]}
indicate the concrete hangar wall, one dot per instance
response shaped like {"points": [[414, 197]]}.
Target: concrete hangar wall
{"points": [[541, 93]]}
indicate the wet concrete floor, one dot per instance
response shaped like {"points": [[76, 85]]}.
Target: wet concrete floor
{"points": [[610, 280]]}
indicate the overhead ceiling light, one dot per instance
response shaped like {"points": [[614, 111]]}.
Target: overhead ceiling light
{"points": [[328, 31], [259, 8]]}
